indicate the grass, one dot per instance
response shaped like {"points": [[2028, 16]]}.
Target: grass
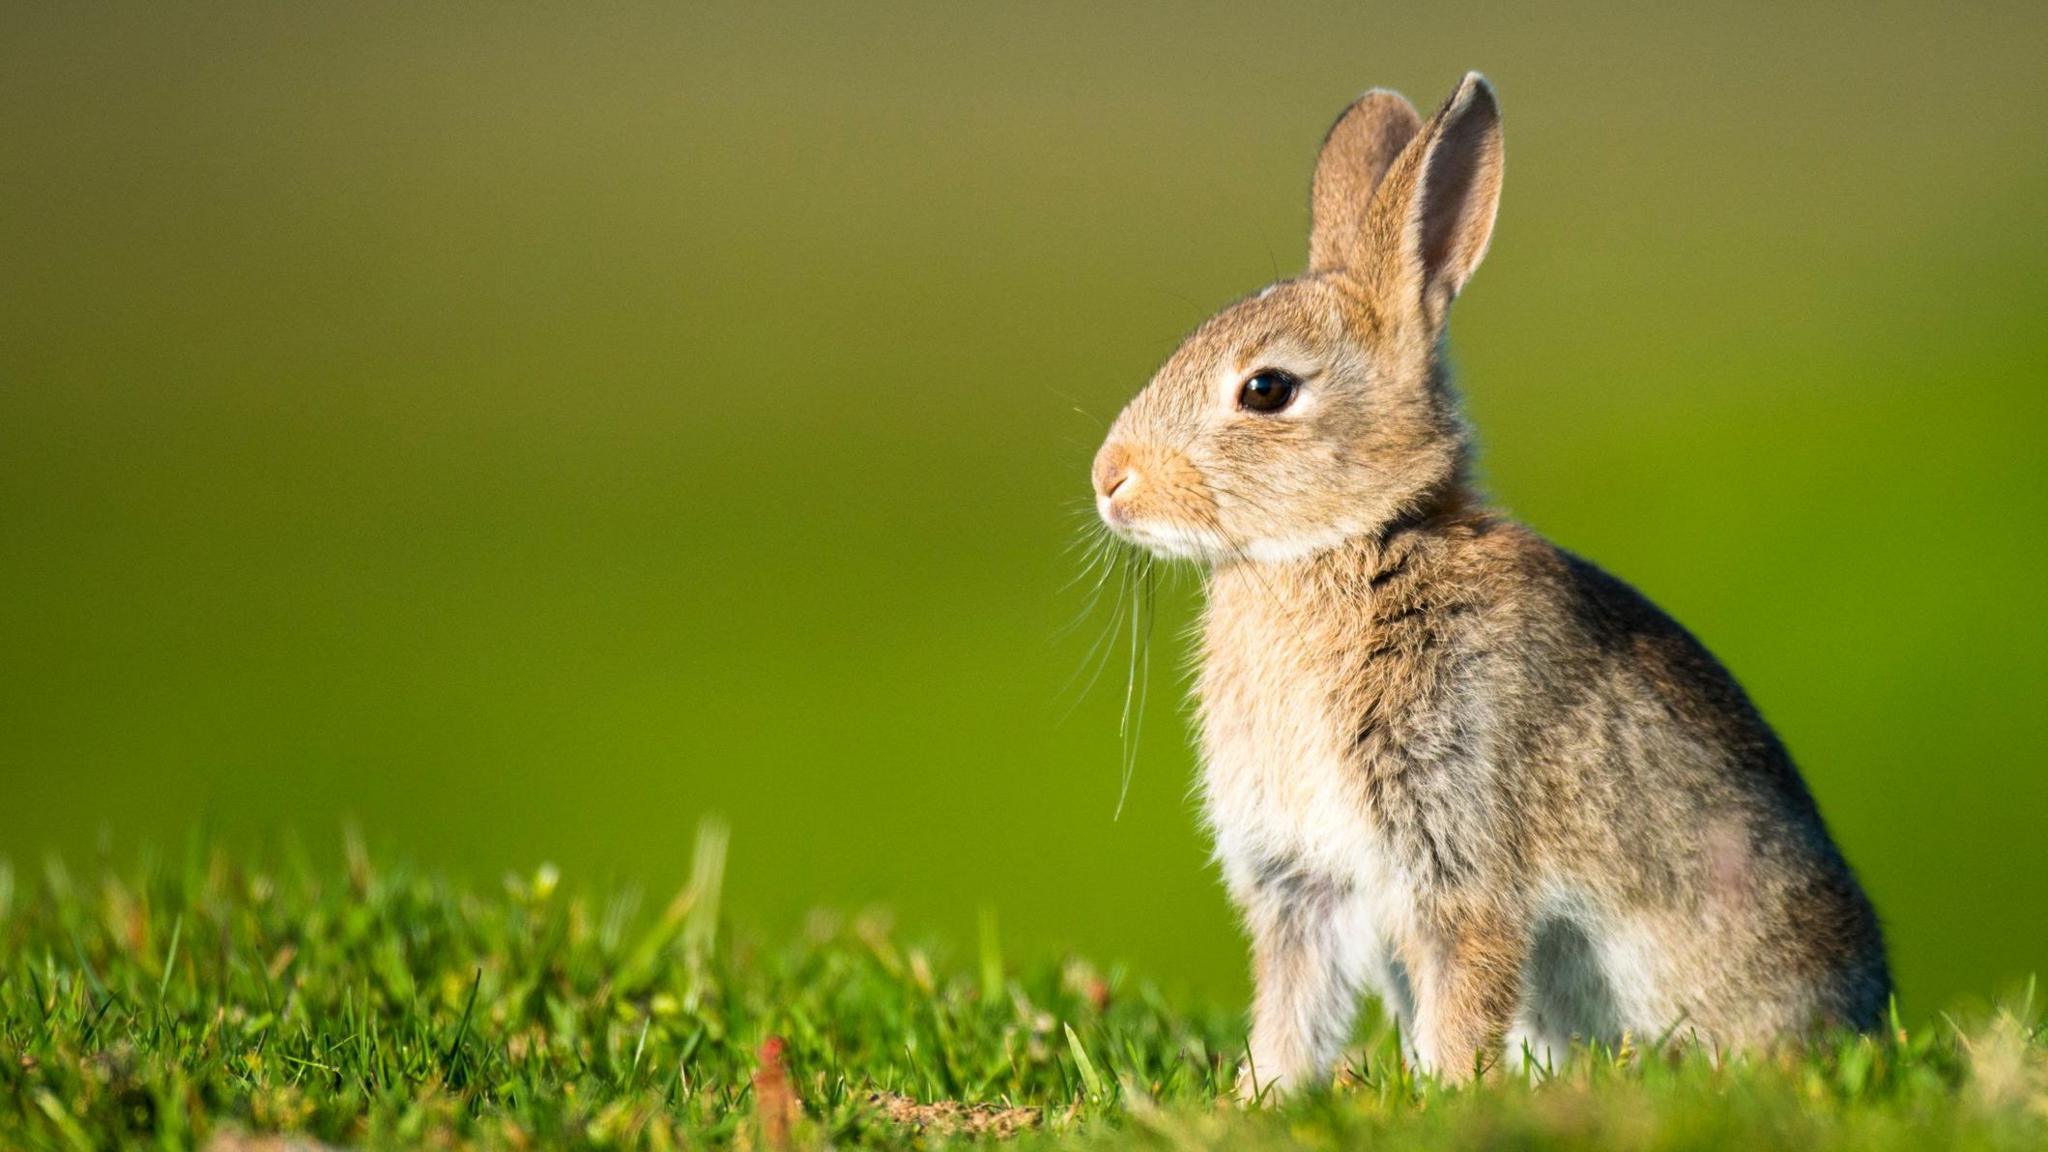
{"points": [[214, 1000]]}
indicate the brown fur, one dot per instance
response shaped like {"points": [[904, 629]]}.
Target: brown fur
{"points": [[1445, 760]]}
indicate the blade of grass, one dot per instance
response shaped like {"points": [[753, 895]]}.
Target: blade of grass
{"points": [[462, 1029], [163, 986]]}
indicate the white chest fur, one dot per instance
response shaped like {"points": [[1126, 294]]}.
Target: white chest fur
{"points": [[1285, 808], [1278, 789]]}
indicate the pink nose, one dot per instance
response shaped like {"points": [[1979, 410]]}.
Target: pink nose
{"points": [[1112, 470]]}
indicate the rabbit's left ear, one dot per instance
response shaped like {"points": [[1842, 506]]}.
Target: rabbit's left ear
{"points": [[1435, 209], [1356, 154]]}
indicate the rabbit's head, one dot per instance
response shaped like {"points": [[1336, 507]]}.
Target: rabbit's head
{"points": [[1318, 410]]}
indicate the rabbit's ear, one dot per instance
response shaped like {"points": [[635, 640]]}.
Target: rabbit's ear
{"points": [[1356, 154], [1436, 207]]}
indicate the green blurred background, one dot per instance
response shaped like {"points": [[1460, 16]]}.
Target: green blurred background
{"points": [[522, 430]]}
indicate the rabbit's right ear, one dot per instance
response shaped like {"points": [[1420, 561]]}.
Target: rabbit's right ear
{"points": [[1356, 154], [1433, 214]]}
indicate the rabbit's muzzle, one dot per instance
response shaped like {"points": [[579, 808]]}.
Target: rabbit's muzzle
{"points": [[1155, 498]]}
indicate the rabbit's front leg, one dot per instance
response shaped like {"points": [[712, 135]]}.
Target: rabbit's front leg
{"points": [[1306, 967], [1468, 968]]}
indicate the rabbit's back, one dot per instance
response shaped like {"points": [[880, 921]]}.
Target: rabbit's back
{"points": [[1661, 792]]}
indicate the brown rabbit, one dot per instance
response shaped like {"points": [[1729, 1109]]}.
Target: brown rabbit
{"points": [[1446, 761]]}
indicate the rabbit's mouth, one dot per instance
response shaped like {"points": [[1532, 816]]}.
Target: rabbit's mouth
{"points": [[1169, 541]]}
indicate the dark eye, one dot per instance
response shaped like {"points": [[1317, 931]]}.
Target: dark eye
{"points": [[1268, 391]]}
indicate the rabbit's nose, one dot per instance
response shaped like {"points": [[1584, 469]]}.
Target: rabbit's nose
{"points": [[1112, 470]]}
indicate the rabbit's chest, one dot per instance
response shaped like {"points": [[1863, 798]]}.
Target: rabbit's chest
{"points": [[1282, 790]]}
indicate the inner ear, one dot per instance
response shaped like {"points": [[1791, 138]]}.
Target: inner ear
{"points": [[1457, 194], [1466, 153]]}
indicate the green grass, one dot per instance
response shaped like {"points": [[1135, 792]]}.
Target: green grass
{"points": [[212, 998]]}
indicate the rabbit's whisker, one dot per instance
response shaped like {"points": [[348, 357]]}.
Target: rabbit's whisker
{"points": [[1104, 648], [1100, 563]]}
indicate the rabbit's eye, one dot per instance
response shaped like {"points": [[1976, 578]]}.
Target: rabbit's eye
{"points": [[1268, 391]]}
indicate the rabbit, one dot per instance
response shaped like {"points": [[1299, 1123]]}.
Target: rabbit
{"points": [[1445, 761]]}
